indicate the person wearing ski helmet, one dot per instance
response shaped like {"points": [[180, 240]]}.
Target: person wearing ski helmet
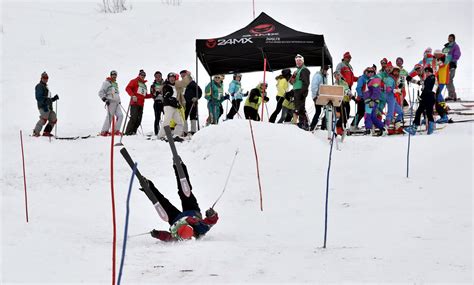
{"points": [[138, 92], [172, 96], [427, 101], [235, 91], [109, 94], [45, 107], [185, 224], [300, 81]]}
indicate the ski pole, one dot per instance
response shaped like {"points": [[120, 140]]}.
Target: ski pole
{"points": [[56, 125], [24, 174], [137, 235], [227, 179], [124, 124]]}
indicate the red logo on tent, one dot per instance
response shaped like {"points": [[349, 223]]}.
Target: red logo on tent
{"points": [[211, 43], [262, 29]]}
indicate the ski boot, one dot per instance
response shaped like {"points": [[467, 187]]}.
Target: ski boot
{"points": [[431, 127], [104, 134], [118, 133], [47, 134], [443, 120], [411, 130], [36, 134]]}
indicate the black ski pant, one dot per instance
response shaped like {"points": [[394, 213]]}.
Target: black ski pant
{"points": [[300, 99], [187, 203], [251, 113], [274, 115], [136, 113], [344, 110], [315, 119], [158, 107], [190, 111], [360, 105], [425, 106], [234, 109]]}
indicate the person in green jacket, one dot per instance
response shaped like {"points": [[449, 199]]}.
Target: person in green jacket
{"points": [[300, 81], [214, 94]]}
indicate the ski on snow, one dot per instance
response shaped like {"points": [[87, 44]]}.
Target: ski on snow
{"points": [[177, 161]]}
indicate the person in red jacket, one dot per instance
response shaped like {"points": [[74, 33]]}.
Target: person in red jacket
{"points": [[346, 70], [137, 90]]}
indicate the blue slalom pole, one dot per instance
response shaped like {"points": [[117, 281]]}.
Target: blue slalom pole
{"points": [[327, 178], [126, 225]]}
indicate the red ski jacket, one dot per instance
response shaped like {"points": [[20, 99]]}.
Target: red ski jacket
{"points": [[136, 87]]}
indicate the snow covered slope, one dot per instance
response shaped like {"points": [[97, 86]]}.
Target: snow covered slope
{"points": [[383, 227]]}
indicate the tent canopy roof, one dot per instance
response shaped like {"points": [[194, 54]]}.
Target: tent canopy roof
{"points": [[245, 49]]}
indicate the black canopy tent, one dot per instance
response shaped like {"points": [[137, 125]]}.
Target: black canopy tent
{"points": [[246, 49]]}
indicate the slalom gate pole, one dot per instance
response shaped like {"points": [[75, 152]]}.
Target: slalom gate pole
{"points": [[263, 87], [258, 170], [24, 174], [126, 225], [409, 135], [114, 243], [327, 180], [56, 125], [227, 179]]}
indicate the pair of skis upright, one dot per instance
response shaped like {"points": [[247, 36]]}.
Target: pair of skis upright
{"points": [[144, 182]]}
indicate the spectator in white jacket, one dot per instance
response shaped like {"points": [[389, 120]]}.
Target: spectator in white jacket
{"points": [[319, 78], [109, 93]]}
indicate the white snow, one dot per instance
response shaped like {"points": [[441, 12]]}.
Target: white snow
{"points": [[383, 227]]}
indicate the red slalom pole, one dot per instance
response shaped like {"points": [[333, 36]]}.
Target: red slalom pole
{"points": [[24, 174], [258, 169], [113, 200], [264, 87]]}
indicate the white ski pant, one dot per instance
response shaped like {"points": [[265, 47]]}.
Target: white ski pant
{"points": [[172, 113], [113, 109]]}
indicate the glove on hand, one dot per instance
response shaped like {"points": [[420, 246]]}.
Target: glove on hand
{"points": [[194, 100], [56, 97], [210, 212]]}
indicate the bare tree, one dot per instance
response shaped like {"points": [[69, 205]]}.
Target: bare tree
{"points": [[113, 6]]}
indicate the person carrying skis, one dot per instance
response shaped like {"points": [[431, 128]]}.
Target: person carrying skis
{"points": [[372, 99], [426, 103], [156, 92], [253, 102], [137, 90], [172, 92], [185, 224], [109, 93], [45, 107], [235, 91], [282, 88], [300, 81], [319, 78], [451, 48]]}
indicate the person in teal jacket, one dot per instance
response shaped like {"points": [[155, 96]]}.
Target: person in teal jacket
{"points": [[390, 83], [235, 91], [214, 95]]}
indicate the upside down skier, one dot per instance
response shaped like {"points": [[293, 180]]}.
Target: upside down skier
{"points": [[184, 224]]}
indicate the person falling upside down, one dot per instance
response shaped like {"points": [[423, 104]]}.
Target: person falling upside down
{"points": [[187, 223]]}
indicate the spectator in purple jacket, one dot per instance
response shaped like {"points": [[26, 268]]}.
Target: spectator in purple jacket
{"points": [[451, 48]]}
